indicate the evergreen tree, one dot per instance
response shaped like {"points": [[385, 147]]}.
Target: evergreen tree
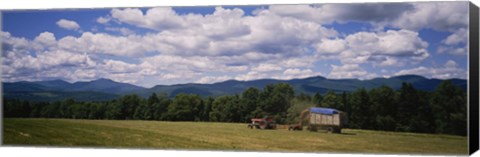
{"points": [[407, 107], [449, 106], [383, 104], [185, 107], [249, 101], [317, 99], [362, 115]]}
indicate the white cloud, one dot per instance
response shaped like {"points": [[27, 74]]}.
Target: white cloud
{"points": [[390, 61], [350, 71], [413, 16], [381, 48], [252, 75], [459, 51], [114, 66], [298, 73], [85, 74], [179, 77], [46, 60], [443, 16], [105, 44], [266, 68], [124, 31], [449, 70], [48, 64], [46, 38], [213, 79], [334, 46], [297, 62], [450, 64], [391, 42], [68, 24], [103, 20], [455, 43], [10, 43], [170, 62], [225, 23], [328, 13], [225, 32], [460, 36], [155, 18]]}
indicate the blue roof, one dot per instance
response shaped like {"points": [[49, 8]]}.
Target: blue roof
{"points": [[323, 110]]}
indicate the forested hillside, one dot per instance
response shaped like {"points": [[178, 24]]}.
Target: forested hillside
{"points": [[384, 108]]}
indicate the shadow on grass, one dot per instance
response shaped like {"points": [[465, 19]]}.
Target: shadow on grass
{"points": [[347, 133]]}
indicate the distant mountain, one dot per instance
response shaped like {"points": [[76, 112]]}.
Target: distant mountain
{"points": [[105, 89], [105, 86], [52, 90], [55, 84]]}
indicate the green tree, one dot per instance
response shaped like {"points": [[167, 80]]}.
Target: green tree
{"points": [[36, 109], [361, 115], [304, 97], [207, 108], [51, 110], [250, 100], [449, 106], [17, 108], [160, 109], [113, 110], [407, 107], [317, 99], [128, 104], [153, 99], [145, 110], [96, 111], [330, 100], [185, 107], [80, 110], [142, 112], [423, 121], [384, 106], [226, 109], [275, 101]]}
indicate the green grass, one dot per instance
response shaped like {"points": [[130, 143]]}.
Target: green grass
{"points": [[219, 136]]}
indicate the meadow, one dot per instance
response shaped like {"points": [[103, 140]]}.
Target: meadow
{"points": [[218, 136]]}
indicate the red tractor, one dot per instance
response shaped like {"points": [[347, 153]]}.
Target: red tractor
{"points": [[262, 123]]}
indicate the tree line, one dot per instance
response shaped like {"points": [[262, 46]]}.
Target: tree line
{"points": [[383, 108]]}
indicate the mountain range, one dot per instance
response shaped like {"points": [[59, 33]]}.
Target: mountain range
{"points": [[106, 89]]}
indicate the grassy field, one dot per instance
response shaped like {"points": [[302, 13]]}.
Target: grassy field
{"points": [[219, 136]]}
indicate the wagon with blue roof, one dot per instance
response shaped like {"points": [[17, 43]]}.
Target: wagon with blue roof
{"points": [[320, 118]]}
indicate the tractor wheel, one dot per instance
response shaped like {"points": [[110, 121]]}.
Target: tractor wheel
{"points": [[330, 130], [338, 130]]}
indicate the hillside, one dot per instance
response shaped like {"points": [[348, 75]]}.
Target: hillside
{"points": [[105, 89]]}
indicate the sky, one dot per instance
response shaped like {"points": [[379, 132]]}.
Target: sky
{"points": [[165, 45]]}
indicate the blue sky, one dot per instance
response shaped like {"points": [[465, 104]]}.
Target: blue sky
{"points": [[151, 46]]}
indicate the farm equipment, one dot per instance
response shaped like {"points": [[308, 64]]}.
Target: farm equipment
{"points": [[299, 126], [262, 123], [317, 118]]}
